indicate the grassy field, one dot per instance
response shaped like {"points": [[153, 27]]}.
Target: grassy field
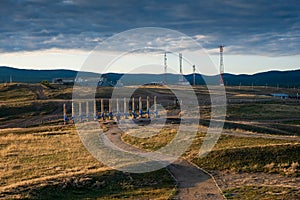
{"points": [[283, 159], [29, 154], [263, 111], [240, 154], [234, 153], [151, 143], [51, 162], [262, 192], [48, 160]]}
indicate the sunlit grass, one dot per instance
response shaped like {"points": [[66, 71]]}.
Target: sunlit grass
{"points": [[30, 154], [51, 162], [230, 152]]}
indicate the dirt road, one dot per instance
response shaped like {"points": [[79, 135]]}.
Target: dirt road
{"points": [[193, 183]]}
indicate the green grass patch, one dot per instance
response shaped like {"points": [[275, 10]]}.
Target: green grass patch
{"points": [[231, 142], [275, 129], [28, 109], [274, 159], [262, 192], [258, 110], [267, 128], [151, 143], [290, 129], [293, 122]]}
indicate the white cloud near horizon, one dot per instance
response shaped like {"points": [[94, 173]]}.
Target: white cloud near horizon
{"points": [[74, 59]]}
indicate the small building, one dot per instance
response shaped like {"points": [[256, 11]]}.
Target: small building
{"points": [[63, 81], [155, 83], [282, 96]]}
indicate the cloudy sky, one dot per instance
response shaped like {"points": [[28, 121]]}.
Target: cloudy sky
{"points": [[258, 35]]}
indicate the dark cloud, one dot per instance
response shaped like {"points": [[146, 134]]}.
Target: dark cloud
{"points": [[247, 27]]}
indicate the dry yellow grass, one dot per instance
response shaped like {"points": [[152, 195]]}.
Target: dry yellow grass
{"points": [[151, 143], [41, 152], [51, 162]]}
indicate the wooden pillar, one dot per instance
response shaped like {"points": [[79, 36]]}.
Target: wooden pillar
{"points": [[110, 110], [132, 105], [65, 113], [87, 111], [140, 106], [117, 102], [155, 106], [73, 111], [110, 106], [95, 110], [125, 105], [80, 111], [101, 106], [148, 106], [125, 108]]}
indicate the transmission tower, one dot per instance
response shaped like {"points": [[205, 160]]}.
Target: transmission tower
{"points": [[180, 68], [221, 65], [165, 68]]}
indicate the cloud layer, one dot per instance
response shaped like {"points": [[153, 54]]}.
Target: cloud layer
{"points": [[259, 27]]}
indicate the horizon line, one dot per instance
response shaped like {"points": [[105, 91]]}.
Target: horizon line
{"points": [[62, 69]]}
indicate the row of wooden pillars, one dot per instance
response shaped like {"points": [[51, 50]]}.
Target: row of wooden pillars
{"points": [[79, 115]]}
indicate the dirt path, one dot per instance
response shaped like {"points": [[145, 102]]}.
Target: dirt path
{"points": [[193, 183]]}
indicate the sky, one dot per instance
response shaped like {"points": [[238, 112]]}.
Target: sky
{"points": [[258, 35]]}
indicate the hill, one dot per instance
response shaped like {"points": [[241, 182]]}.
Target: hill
{"points": [[270, 78], [35, 76]]}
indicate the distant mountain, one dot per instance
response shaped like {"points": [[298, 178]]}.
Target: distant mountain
{"points": [[35, 76], [271, 78]]}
